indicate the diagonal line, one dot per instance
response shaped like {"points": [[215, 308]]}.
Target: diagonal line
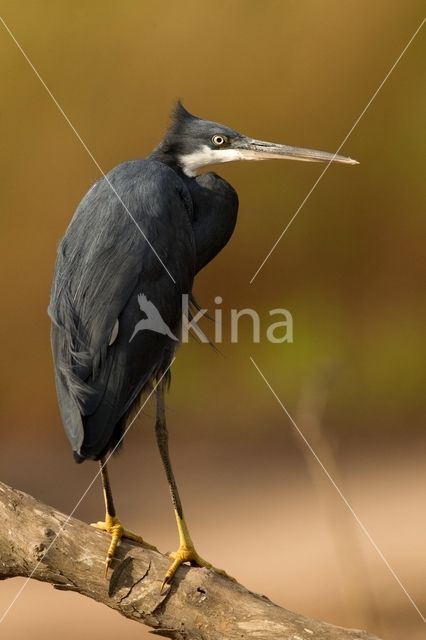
{"points": [[96, 163], [361, 525], [61, 529], [361, 115]]}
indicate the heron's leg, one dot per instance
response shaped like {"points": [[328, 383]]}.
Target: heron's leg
{"points": [[186, 551], [112, 524]]}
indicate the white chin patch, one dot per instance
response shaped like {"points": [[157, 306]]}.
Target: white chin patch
{"points": [[205, 156]]}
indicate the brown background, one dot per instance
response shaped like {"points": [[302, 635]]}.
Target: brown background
{"points": [[350, 269]]}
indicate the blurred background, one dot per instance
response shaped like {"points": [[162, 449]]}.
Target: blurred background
{"points": [[351, 269]]}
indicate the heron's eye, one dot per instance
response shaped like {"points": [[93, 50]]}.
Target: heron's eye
{"points": [[219, 140]]}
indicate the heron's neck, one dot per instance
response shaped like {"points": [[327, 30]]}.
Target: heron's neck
{"points": [[168, 152], [215, 205]]}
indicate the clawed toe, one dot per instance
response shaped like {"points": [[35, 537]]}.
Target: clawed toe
{"points": [[185, 554], [113, 526]]}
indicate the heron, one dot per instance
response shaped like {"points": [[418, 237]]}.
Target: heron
{"points": [[137, 239]]}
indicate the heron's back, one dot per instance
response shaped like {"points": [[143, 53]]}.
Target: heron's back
{"points": [[116, 249]]}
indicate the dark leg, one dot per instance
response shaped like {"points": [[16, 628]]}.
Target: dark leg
{"points": [[163, 445], [112, 524], [109, 502], [186, 551]]}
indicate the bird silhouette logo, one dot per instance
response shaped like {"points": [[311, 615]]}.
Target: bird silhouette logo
{"points": [[153, 320]]}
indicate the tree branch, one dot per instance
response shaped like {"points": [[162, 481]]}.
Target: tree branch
{"points": [[200, 605]]}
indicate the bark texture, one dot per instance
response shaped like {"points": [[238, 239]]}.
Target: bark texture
{"points": [[39, 542]]}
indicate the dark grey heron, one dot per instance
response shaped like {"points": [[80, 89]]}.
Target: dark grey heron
{"points": [[138, 237]]}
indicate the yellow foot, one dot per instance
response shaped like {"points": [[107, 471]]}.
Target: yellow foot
{"points": [[187, 553], [113, 526]]}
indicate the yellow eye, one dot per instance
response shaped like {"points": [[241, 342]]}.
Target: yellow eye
{"points": [[218, 140]]}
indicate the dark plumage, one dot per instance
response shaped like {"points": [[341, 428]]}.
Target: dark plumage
{"points": [[104, 262], [134, 246]]}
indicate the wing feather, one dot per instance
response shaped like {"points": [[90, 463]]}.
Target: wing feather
{"points": [[104, 263]]}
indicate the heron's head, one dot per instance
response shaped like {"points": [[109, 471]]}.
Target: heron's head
{"points": [[194, 143]]}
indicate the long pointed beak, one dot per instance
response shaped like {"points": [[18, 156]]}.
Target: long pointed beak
{"points": [[250, 149]]}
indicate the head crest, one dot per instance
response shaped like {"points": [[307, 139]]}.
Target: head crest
{"points": [[180, 117]]}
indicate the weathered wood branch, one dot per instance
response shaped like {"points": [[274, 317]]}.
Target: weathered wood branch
{"points": [[200, 605]]}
